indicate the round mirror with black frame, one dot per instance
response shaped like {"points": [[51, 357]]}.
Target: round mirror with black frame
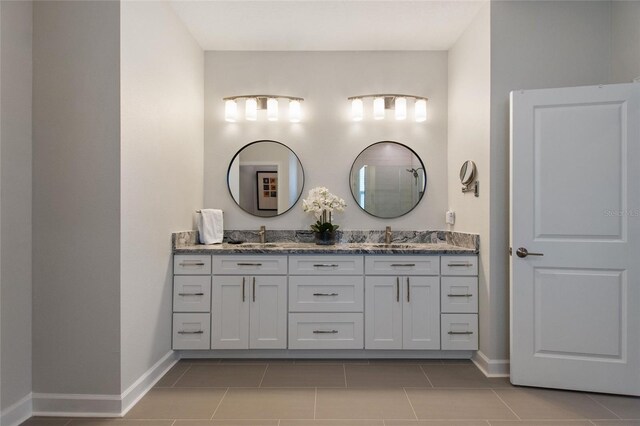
{"points": [[265, 178], [388, 179]]}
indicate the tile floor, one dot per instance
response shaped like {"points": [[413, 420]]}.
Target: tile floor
{"points": [[356, 393]]}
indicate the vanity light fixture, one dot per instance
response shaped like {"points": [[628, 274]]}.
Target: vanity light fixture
{"points": [[255, 103], [383, 102]]}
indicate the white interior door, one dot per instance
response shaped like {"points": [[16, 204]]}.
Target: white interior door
{"points": [[575, 198]]}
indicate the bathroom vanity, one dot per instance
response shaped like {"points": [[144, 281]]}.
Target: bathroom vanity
{"points": [[298, 297]]}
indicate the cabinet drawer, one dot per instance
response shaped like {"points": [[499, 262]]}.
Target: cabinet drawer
{"points": [[326, 331], [326, 265], [459, 331], [191, 331], [192, 293], [459, 265], [326, 294], [250, 265], [459, 295], [402, 265], [191, 264]]}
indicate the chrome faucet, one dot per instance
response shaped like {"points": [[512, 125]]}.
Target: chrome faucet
{"points": [[387, 235], [262, 233]]}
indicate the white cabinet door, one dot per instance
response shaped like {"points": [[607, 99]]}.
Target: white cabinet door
{"points": [[268, 318], [383, 313], [229, 312], [421, 313]]}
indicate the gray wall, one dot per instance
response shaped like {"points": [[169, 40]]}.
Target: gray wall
{"points": [[15, 201], [162, 103], [469, 139], [534, 44], [626, 41], [76, 197], [327, 140]]}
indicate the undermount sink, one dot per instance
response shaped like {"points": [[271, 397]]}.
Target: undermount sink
{"points": [[389, 246], [257, 245]]}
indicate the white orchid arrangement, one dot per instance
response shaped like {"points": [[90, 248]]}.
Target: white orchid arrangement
{"points": [[322, 204]]}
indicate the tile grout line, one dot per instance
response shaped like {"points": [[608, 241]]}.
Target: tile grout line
{"points": [[219, 404], [604, 406], [264, 373], [410, 404], [182, 375], [507, 405], [425, 375]]}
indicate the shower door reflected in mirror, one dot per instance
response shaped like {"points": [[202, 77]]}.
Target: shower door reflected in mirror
{"points": [[265, 178], [388, 179]]}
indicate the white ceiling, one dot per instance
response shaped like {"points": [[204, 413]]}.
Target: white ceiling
{"points": [[326, 25]]}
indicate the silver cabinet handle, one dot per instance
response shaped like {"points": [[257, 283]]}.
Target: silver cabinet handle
{"points": [[325, 294], [523, 252], [243, 293], [453, 265], [191, 264], [254, 289], [459, 295], [408, 290], [191, 332], [397, 289], [396, 265], [190, 294], [325, 331], [460, 332], [248, 264], [325, 265]]}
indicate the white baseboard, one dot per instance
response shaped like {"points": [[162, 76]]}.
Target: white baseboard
{"points": [[87, 405], [17, 413], [140, 387], [491, 367]]}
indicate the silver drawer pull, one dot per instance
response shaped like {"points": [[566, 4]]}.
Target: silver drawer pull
{"points": [[191, 264], [325, 331], [461, 332], [191, 332], [399, 265], [248, 264], [453, 265], [459, 295], [325, 265], [325, 294], [190, 294]]}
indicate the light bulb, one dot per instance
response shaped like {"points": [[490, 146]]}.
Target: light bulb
{"points": [[272, 109], [295, 111], [401, 108], [420, 110], [230, 110], [357, 109], [378, 108], [251, 109]]}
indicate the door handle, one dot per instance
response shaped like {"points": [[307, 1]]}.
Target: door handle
{"points": [[523, 252], [397, 289], [243, 292], [408, 290], [254, 289]]}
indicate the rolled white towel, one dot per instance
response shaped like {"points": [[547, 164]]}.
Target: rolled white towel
{"points": [[210, 226]]}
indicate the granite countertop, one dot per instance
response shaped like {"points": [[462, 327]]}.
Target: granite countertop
{"points": [[312, 248], [350, 242]]}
